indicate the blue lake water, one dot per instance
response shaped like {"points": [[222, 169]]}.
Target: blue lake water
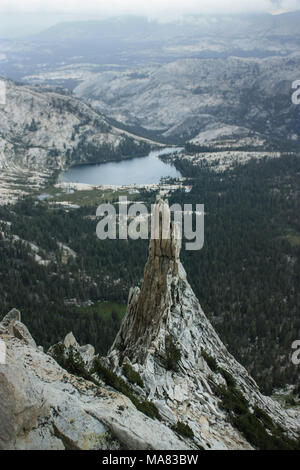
{"points": [[142, 170]]}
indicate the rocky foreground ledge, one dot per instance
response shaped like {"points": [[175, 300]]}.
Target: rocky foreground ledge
{"points": [[42, 406], [167, 383]]}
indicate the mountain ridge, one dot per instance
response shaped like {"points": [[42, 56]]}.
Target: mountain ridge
{"points": [[188, 97], [46, 128]]}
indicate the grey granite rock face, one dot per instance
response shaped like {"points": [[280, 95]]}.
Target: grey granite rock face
{"points": [[148, 308], [21, 331], [44, 407], [166, 314], [51, 129]]}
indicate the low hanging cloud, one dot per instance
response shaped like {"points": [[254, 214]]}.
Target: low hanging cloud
{"points": [[145, 7]]}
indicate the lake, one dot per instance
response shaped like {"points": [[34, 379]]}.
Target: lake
{"points": [[143, 170]]}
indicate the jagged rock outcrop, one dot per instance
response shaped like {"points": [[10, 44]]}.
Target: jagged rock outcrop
{"points": [[147, 309], [7, 323], [86, 352], [167, 339], [42, 406]]}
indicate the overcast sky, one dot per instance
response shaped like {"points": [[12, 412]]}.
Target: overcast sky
{"points": [[43, 13], [150, 7]]}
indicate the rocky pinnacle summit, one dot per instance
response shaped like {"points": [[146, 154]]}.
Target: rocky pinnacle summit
{"points": [[166, 337], [148, 308]]}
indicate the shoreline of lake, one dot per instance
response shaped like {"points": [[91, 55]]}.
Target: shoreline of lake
{"points": [[148, 169]]}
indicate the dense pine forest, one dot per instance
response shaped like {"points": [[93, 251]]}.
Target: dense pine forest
{"points": [[246, 277]]}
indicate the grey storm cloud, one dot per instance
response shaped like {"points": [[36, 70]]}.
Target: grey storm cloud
{"points": [[154, 7], [19, 17]]}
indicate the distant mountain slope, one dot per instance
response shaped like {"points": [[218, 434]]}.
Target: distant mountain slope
{"points": [[220, 25], [182, 99], [46, 128], [135, 41]]}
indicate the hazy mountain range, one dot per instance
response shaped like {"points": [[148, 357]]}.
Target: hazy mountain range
{"points": [[173, 81]]}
